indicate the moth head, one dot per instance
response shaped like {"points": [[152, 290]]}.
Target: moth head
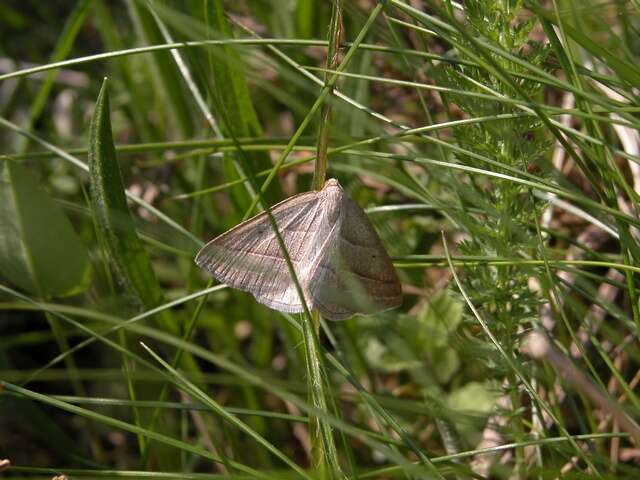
{"points": [[332, 183]]}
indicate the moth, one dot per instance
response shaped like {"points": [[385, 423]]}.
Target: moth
{"points": [[340, 262]]}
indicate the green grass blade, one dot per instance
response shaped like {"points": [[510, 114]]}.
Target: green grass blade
{"points": [[60, 52], [234, 98], [80, 164], [113, 422], [162, 72], [510, 360], [625, 70], [205, 399]]}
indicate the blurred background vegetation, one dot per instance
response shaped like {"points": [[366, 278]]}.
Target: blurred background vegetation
{"points": [[494, 146]]}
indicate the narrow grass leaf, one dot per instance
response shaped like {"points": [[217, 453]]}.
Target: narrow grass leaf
{"points": [[163, 70], [113, 422], [206, 400], [627, 71], [125, 70], [63, 47], [235, 99]]}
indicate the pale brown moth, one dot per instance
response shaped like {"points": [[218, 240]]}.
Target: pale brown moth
{"points": [[339, 260]]}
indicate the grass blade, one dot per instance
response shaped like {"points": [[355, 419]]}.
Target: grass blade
{"points": [[235, 100], [60, 52]]}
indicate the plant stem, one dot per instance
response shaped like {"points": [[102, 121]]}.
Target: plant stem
{"points": [[324, 456], [335, 37]]}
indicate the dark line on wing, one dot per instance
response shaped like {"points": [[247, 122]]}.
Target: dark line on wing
{"points": [[356, 244], [265, 255], [365, 277]]}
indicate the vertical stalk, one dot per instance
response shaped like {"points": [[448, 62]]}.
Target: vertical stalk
{"points": [[333, 61], [324, 456]]}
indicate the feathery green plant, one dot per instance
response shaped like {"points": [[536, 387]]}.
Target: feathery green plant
{"points": [[505, 228]]}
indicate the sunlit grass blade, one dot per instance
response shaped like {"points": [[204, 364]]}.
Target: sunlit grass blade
{"points": [[162, 73], [253, 377], [227, 71], [625, 70], [511, 126]]}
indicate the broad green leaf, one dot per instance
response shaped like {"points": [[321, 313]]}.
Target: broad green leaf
{"points": [[473, 397], [471, 402], [39, 250], [446, 362], [428, 336], [115, 223], [439, 318]]}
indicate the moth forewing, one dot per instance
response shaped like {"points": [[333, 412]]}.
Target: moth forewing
{"points": [[339, 260], [248, 257]]}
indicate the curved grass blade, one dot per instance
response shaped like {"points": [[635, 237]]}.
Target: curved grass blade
{"points": [[627, 71], [60, 52], [163, 71], [114, 422], [238, 371], [80, 164], [226, 69], [196, 393]]}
